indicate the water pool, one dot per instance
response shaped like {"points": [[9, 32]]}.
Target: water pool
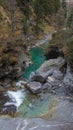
{"points": [[37, 57]]}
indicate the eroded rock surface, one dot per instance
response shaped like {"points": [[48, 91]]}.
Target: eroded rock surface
{"points": [[52, 64], [34, 87], [33, 124]]}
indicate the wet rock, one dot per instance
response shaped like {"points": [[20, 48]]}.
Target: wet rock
{"points": [[33, 124], [50, 79], [41, 77], [34, 87], [54, 83], [68, 81], [46, 86], [52, 64], [21, 84], [8, 110], [57, 74]]}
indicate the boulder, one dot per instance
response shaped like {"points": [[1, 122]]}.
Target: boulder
{"points": [[46, 86], [34, 87], [53, 83], [58, 74], [41, 77], [50, 79], [52, 64]]}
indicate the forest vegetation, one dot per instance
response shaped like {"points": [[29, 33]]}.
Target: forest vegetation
{"points": [[22, 22]]}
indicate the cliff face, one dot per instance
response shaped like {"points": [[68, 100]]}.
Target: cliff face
{"points": [[13, 47], [14, 42]]}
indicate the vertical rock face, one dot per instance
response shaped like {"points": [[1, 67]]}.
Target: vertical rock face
{"points": [[33, 124], [14, 57]]}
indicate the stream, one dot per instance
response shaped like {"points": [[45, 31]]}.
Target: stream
{"points": [[45, 105], [38, 58]]}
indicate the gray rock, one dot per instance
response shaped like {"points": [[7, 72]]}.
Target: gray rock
{"points": [[39, 78], [8, 110], [33, 124], [46, 86], [42, 76], [54, 83], [52, 64], [68, 81], [58, 75], [34, 87], [68, 78], [70, 89]]}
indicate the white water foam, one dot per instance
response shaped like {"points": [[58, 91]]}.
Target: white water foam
{"points": [[16, 97], [31, 75], [19, 83]]}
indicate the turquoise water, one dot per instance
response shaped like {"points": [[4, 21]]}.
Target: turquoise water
{"points": [[33, 106], [44, 105], [37, 57]]}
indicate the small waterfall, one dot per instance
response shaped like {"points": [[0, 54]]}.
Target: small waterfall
{"points": [[16, 98], [31, 75]]}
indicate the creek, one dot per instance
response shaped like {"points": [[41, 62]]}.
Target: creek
{"points": [[44, 105], [37, 57]]}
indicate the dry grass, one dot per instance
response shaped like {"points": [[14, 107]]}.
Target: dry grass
{"points": [[47, 28]]}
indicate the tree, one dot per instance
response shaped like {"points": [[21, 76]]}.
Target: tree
{"points": [[70, 19], [60, 19], [41, 8], [64, 5], [11, 5], [38, 9], [57, 5], [45, 8]]}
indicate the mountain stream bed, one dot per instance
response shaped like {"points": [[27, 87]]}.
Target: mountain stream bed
{"points": [[44, 105]]}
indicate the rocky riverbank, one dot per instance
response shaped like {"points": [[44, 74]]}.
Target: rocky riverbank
{"points": [[18, 60], [53, 77], [33, 124]]}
